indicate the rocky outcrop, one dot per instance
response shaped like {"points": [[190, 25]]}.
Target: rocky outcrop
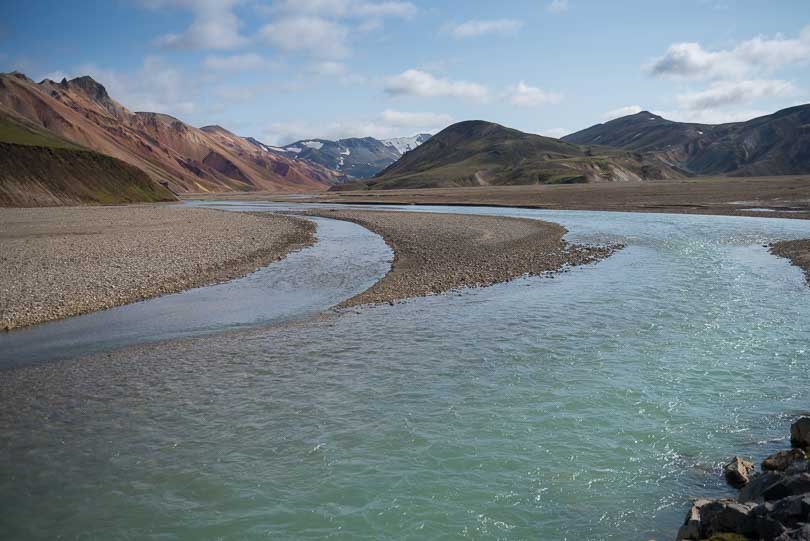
{"points": [[773, 505], [800, 433], [782, 460], [737, 472]]}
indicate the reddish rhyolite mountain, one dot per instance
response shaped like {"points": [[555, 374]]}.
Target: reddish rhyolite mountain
{"points": [[40, 169], [185, 158]]}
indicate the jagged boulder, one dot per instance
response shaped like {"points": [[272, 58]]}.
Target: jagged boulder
{"points": [[792, 485], [783, 459], [799, 534], [755, 489], [710, 517], [738, 471], [800, 433], [691, 526], [774, 519]]}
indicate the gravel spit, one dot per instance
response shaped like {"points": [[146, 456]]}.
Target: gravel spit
{"points": [[435, 253], [61, 262], [798, 251]]}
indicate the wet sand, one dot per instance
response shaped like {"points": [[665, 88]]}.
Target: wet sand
{"points": [[61, 262], [435, 253]]}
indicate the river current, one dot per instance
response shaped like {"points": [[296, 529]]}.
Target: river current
{"points": [[587, 406]]}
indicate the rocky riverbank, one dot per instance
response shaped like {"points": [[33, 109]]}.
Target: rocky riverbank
{"points": [[772, 505], [798, 251], [435, 253], [62, 262]]}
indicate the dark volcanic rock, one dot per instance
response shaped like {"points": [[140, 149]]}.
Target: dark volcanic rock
{"points": [[710, 517], [754, 490], [788, 486], [799, 534], [800, 433], [772, 506]]}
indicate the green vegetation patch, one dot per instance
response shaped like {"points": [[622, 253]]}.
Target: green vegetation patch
{"points": [[16, 132], [34, 176]]}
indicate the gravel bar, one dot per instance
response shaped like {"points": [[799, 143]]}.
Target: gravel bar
{"points": [[435, 253], [797, 251], [61, 262]]}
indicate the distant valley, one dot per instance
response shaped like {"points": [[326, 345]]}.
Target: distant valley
{"points": [[355, 157]]}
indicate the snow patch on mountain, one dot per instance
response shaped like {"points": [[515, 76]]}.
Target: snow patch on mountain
{"points": [[317, 145], [405, 144]]}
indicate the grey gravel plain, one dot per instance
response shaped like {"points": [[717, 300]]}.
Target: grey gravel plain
{"points": [[435, 253], [61, 262]]}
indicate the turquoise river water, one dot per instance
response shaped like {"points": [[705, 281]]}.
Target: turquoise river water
{"points": [[588, 406]]}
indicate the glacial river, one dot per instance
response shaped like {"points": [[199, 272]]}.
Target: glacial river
{"points": [[588, 406]]}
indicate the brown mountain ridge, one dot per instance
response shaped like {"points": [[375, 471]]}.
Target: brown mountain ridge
{"points": [[171, 152]]}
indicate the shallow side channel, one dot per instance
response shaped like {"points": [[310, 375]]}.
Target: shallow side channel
{"points": [[346, 260]]}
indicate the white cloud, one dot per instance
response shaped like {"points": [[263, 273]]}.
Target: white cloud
{"points": [[419, 120], [215, 25], [621, 111], [347, 8], [523, 95], [723, 93], [477, 28], [317, 36], [709, 116], [415, 82], [322, 27], [402, 10], [387, 124], [556, 133], [557, 6], [760, 54], [691, 60], [237, 94], [329, 68], [237, 62], [336, 71]]}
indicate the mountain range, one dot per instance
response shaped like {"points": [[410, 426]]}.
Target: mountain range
{"points": [[354, 157], [171, 152], [776, 144], [77, 122], [479, 153], [643, 146]]}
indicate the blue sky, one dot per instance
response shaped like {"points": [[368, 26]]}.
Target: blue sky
{"points": [[288, 69]]}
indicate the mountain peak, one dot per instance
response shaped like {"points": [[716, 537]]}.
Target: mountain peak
{"points": [[213, 128], [641, 115], [89, 86]]}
